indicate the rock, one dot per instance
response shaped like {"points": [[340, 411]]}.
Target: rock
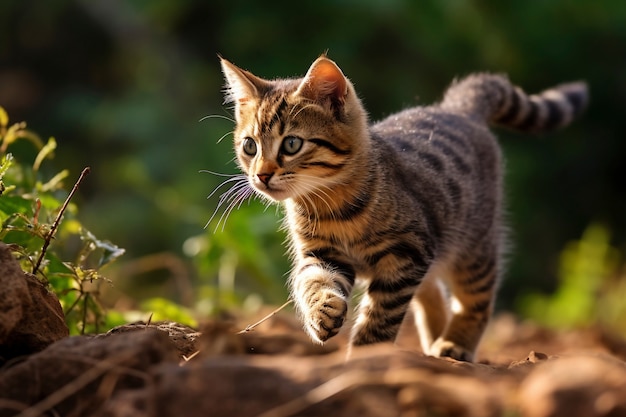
{"points": [[13, 293], [532, 358], [31, 317], [576, 386], [76, 375], [183, 337]]}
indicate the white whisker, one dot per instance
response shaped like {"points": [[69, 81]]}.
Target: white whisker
{"points": [[219, 116], [242, 195], [224, 135], [268, 204], [233, 197], [239, 178], [216, 116], [234, 201], [232, 194], [219, 174], [299, 109], [315, 188], [313, 217]]}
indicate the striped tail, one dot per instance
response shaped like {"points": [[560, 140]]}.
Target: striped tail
{"points": [[493, 99]]}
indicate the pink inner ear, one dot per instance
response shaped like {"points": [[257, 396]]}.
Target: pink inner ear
{"points": [[325, 80]]}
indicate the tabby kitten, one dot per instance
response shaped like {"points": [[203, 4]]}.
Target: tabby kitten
{"points": [[412, 204]]}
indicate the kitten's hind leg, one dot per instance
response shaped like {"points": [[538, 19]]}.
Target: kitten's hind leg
{"points": [[472, 284], [430, 310]]}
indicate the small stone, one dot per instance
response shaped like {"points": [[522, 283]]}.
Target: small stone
{"points": [[110, 364], [534, 357], [31, 317]]}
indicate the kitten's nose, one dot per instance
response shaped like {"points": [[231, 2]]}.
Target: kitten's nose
{"points": [[265, 178]]}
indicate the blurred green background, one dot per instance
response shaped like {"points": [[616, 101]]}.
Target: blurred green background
{"points": [[122, 85]]}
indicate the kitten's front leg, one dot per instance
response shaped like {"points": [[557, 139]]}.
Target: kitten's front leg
{"points": [[320, 291]]}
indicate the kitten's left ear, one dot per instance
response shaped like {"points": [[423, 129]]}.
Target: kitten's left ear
{"points": [[324, 83], [242, 86]]}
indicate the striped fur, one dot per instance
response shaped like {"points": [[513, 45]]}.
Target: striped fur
{"points": [[412, 204]]}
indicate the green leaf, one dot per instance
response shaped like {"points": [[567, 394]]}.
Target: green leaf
{"points": [[110, 252], [55, 182], [5, 163], [4, 118], [10, 205], [45, 151]]}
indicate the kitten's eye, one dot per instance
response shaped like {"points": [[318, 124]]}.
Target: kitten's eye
{"points": [[291, 145], [249, 146]]}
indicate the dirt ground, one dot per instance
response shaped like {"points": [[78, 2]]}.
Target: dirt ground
{"points": [[166, 369]]}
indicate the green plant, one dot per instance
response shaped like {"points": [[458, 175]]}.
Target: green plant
{"points": [[31, 214], [236, 265], [592, 286]]}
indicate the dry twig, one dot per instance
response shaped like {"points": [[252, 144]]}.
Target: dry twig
{"points": [[251, 327], [57, 221], [188, 358], [149, 321]]}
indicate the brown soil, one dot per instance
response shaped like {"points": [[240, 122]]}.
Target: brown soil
{"points": [[167, 369]]}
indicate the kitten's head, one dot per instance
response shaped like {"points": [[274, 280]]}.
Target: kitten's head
{"points": [[296, 137]]}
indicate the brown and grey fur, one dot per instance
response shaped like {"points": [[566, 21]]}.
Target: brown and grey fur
{"points": [[412, 204]]}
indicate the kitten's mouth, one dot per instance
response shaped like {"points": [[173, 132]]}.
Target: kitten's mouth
{"points": [[274, 193], [269, 189]]}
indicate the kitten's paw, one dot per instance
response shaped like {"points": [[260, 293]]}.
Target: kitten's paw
{"points": [[445, 348], [326, 314]]}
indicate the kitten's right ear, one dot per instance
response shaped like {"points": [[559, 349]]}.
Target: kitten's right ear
{"points": [[241, 86], [324, 83]]}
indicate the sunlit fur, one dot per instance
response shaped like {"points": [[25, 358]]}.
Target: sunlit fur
{"points": [[412, 204]]}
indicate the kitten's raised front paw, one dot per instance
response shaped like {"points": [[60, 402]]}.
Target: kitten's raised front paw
{"points": [[325, 316], [445, 348]]}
